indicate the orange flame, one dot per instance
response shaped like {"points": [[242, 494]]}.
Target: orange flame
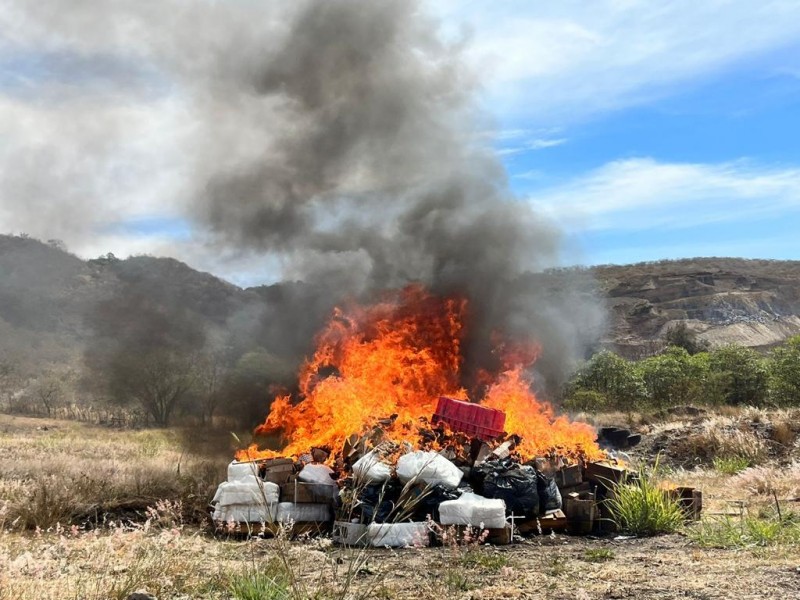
{"points": [[394, 359]]}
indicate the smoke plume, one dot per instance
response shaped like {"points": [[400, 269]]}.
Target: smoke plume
{"points": [[342, 138]]}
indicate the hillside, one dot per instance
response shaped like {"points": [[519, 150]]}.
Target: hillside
{"points": [[48, 300], [754, 303]]}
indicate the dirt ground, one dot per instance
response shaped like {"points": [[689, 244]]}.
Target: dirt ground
{"points": [[563, 568]]}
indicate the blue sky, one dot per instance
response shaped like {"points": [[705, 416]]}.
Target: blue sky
{"points": [[645, 130], [743, 122]]}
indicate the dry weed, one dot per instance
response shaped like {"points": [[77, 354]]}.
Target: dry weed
{"points": [[722, 437], [784, 482]]}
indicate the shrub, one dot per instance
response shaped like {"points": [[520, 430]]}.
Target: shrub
{"points": [[731, 465], [586, 401]]}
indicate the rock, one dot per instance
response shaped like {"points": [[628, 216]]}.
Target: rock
{"points": [[141, 596]]}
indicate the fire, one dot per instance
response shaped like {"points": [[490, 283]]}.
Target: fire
{"points": [[394, 359], [542, 432]]}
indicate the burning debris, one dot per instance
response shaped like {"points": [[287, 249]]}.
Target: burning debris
{"points": [[384, 442], [394, 495]]}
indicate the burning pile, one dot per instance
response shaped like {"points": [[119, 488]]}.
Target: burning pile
{"points": [[384, 367], [384, 433]]}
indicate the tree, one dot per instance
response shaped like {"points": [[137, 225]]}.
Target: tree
{"points": [[613, 377], [673, 377], [10, 380], [157, 380], [145, 351], [738, 376], [48, 390], [681, 336], [211, 372], [784, 369]]}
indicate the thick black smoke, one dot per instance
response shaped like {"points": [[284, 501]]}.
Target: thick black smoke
{"points": [[341, 138], [377, 173]]}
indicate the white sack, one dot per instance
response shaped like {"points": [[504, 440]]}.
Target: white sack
{"points": [[471, 509], [398, 535], [241, 470], [349, 534], [246, 513], [299, 513], [370, 469], [247, 491], [428, 467], [317, 474]]}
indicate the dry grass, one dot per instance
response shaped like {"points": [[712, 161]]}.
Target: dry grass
{"points": [[159, 552], [783, 482], [722, 438], [66, 472]]}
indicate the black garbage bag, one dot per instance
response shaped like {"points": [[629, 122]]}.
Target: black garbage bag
{"points": [[428, 500], [549, 494], [515, 484], [378, 500]]}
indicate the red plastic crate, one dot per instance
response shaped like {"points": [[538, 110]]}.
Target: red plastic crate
{"points": [[466, 417]]}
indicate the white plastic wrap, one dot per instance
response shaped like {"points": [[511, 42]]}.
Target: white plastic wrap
{"points": [[471, 509], [241, 470], [428, 467], [246, 513], [349, 534], [300, 513], [316, 474], [246, 491], [370, 469], [398, 535]]}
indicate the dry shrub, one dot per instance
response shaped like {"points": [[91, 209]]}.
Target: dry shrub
{"points": [[722, 438], [768, 480], [783, 432]]}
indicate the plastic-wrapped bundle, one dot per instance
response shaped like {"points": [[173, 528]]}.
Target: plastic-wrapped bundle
{"points": [[246, 491], [398, 535], [246, 513], [370, 469], [428, 467], [300, 513], [241, 470], [317, 474], [471, 509]]}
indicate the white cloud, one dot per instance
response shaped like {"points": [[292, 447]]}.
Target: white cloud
{"points": [[638, 194], [560, 62], [532, 145]]}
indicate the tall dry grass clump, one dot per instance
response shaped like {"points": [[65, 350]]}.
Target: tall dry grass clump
{"points": [[783, 482]]}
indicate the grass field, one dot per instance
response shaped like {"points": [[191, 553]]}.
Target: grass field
{"points": [[75, 524]]}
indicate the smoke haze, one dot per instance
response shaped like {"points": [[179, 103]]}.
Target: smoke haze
{"points": [[340, 139]]}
